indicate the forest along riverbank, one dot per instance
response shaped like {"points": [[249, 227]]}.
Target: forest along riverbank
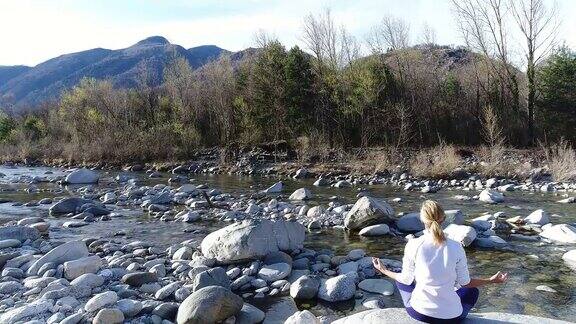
{"points": [[190, 246]]}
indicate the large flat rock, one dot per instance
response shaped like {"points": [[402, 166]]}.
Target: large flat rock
{"points": [[252, 239], [399, 315]]}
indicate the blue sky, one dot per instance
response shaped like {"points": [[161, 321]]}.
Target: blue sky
{"points": [[41, 29]]}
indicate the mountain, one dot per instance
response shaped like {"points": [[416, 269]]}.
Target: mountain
{"points": [[9, 72], [30, 86]]}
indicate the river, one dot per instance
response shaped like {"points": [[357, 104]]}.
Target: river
{"points": [[530, 264]]}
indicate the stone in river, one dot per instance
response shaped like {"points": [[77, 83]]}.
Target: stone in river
{"points": [[301, 194], [249, 315], [569, 200], [9, 243], [109, 316], [166, 311], [10, 287], [561, 233], [277, 257], [538, 216], [75, 268], [546, 289], [305, 287], [251, 239], [212, 277], [492, 241], [21, 233], [378, 286], [570, 256], [374, 302], [129, 307], [461, 233], [321, 182], [375, 230], [82, 176], [68, 205], [275, 188], [74, 224], [31, 309], [491, 196], [302, 317], [280, 310], [100, 301], [88, 280], [338, 288], [368, 211], [137, 279], [276, 271], [66, 252], [210, 304]]}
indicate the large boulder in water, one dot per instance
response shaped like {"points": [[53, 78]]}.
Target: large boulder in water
{"points": [[491, 196], [461, 233], [21, 233], [251, 239], [82, 176], [338, 288], [368, 211], [68, 205], [562, 233], [66, 252], [210, 304]]}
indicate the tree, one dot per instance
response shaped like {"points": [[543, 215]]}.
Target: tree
{"points": [[299, 91], [428, 36], [485, 28], [7, 124], [557, 100], [539, 27], [391, 34]]}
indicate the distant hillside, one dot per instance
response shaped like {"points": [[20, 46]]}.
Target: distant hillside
{"points": [[30, 86], [10, 72]]}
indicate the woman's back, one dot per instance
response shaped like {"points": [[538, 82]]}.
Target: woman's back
{"points": [[438, 271]]}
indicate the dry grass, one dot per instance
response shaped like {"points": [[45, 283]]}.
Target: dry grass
{"points": [[561, 159], [437, 162], [313, 148], [385, 159], [492, 161]]}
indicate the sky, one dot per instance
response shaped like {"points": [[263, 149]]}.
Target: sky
{"points": [[33, 31]]}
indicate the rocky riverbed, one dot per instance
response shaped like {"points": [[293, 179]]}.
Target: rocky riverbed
{"points": [[147, 246]]}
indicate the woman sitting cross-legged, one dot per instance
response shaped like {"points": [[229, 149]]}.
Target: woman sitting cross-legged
{"points": [[434, 284]]}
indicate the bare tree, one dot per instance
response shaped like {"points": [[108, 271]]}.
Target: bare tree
{"points": [[484, 27], [428, 35], [391, 34], [539, 27], [322, 38]]}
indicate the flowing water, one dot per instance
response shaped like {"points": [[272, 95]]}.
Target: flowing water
{"points": [[529, 264]]}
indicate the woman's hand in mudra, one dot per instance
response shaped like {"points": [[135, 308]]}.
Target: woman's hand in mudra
{"points": [[377, 264], [382, 269], [499, 277]]}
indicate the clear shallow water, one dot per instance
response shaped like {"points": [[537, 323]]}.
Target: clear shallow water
{"points": [[530, 264]]}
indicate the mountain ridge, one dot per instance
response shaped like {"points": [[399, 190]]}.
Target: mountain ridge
{"points": [[30, 86]]}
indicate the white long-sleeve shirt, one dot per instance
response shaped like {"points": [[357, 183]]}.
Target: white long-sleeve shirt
{"points": [[438, 271]]}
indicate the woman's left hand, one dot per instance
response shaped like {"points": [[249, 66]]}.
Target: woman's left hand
{"points": [[377, 264]]}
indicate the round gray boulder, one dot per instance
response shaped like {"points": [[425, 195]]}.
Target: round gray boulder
{"points": [[210, 304]]}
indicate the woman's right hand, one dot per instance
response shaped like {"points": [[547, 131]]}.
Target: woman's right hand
{"points": [[499, 277]]}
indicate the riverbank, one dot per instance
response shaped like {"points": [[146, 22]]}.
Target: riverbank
{"points": [[148, 242], [555, 163]]}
